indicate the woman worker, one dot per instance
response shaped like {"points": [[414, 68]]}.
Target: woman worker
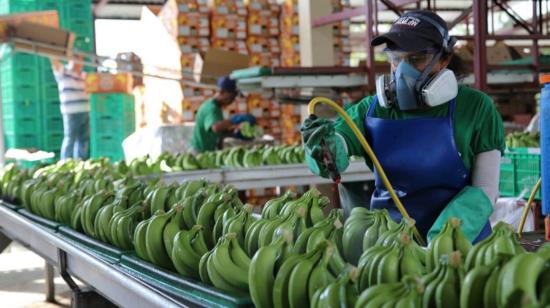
{"points": [[439, 143]]}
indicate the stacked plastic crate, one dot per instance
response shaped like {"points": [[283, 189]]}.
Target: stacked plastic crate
{"points": [[264, 50], [193, 36], [112, 119]]}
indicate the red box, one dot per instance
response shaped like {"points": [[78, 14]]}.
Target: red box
{"points": [[193, 44], [228, 7], [192, 6]]}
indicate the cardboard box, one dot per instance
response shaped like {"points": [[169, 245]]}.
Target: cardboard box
{"points": [[190, 45], [188, 60], [44, 18], [218, 63], [228, 7], [265, 59], [192, 6], [231, 45], [109, 83], [61, 41]]}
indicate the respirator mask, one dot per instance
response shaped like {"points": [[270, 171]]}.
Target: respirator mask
{"points": [[407, 88]]}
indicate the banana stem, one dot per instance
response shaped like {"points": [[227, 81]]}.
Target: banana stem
{"points": [[527, 206], [370, 153]]}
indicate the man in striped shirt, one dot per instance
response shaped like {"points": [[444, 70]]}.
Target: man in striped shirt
{"points": [[75, 109]]}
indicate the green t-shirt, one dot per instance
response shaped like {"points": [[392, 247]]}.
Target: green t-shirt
{"points": [[477, 124], [204, 139]]}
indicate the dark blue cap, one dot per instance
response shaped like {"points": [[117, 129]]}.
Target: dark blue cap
{"points": [[227, 84], [417, 31]]}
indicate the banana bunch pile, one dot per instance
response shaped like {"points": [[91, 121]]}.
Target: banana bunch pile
{"points": [[406, 293], [363, 226], [293, 255], [341, 292], [12, 179], [521, 139], [226, 266], [235, 157], [389, 264], [443, 284], [451, 238]]}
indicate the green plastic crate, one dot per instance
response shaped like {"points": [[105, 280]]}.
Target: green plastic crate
{"points": [[106, 146], [50, 92], [112, 115], [21, 95], [523, 167], [51, 108], [507, 181], [20, 107], [22, 141], [21, 124], [16, 6], [47, 5], [77, 10], [53, 124]]}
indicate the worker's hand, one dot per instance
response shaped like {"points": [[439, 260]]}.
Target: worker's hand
{"points": [[315, 132]]}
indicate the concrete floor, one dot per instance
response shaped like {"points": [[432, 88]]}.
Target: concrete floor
{"points": [[22, 280]]}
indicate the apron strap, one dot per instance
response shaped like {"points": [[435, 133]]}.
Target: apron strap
{"points": [[372, 106]]}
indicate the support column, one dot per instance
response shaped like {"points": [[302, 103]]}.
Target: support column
{"points": [[369, 15], [480, 47], [50, 285]]}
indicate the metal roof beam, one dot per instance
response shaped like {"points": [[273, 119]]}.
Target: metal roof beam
{"points": [[515, 17]]}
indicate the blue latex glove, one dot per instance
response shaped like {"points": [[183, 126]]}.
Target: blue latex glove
{"points": [[243, 117], [472, 206], [314, 130]]}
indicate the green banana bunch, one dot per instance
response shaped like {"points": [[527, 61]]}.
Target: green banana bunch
{"points": [[340, 293], [313, 203], [263, 267], [517, 281], [406, 293], [270, 157], [389, 264], [91, 207], [239, 223], [289, 287], [154, 239], [444, 284], [228, 266], [162, 198], [189, 162], [252, 158], [358, 222], [122, 226], [188, 248], [64, 207], [191, 207], [503, 240], [480, 284], [206, 214], [451, 238], [273, 207], [382, 222], [175, 225], [523, 139]]}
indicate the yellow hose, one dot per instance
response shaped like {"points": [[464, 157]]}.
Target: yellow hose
{"points": [[527, 206], [370, 153]]}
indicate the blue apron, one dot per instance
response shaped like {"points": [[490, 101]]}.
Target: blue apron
{"points": [[422, 162]]}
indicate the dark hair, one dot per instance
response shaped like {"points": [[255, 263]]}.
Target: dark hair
{"points": [[456, 65]]}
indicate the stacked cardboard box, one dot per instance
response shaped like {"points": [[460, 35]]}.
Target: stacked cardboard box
{"points": [[263, 32], [290, 34], [228, 25]]}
